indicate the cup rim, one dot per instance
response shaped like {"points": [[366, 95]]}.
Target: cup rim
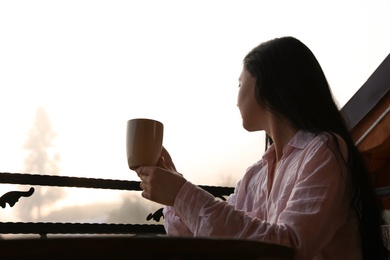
{"points": [[144, 119]]}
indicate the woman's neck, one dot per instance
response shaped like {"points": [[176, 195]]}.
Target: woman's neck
{"points": [[281, 133]]}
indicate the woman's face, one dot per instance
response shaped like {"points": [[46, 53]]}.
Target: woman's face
{"points": [[254, 116]]}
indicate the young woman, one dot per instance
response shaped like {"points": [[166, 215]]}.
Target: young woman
{"points": [[310, 190]]}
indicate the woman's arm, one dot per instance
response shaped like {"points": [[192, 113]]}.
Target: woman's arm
{"points": [[316, 209], [174, 225]]}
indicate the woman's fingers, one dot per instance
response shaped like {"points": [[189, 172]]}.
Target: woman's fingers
{"points": [[144, 187], [145, 191], [160, 185]]}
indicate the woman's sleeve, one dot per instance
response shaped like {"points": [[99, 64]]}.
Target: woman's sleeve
{"points": [[175, 225], [317, 205]]}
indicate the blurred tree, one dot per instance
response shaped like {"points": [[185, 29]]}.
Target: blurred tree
{"points": [[42, 159]]}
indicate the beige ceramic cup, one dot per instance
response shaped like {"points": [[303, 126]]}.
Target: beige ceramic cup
{"points": [[144, 139]]}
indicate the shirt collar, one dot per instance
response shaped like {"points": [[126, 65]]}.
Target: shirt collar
{"points": [[299, 141]]}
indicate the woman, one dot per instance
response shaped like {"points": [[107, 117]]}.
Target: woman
{"points": [[310, 191]]}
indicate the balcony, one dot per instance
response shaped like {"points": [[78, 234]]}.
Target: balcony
{"points": [[117, 240]]}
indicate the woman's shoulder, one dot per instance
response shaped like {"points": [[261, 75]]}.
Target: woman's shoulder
{"points": [[329, 141], [309, 140], [329, 138]]}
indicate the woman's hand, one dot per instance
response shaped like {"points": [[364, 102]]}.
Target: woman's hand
{"points": [[160, 185]]}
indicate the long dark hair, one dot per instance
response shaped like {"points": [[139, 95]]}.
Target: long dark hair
{"points": [[291, 83]]}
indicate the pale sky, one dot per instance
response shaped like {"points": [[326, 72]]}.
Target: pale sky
{"points": [[95, 64]]}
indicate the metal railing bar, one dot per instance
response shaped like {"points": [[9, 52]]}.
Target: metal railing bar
{"points": [[81, 182], [78, 228], [65, 181]]}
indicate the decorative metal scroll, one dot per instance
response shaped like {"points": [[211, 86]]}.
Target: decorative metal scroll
{"points": [[156, 216], [13, 196]]}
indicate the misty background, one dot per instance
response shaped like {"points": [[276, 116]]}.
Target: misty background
{"points": [[73, 72]]}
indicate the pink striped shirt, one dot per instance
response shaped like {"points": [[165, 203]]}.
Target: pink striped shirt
{"points": [[305, 206]]}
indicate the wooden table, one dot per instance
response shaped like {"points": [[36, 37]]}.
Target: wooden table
{"points": [[141, 248]]}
